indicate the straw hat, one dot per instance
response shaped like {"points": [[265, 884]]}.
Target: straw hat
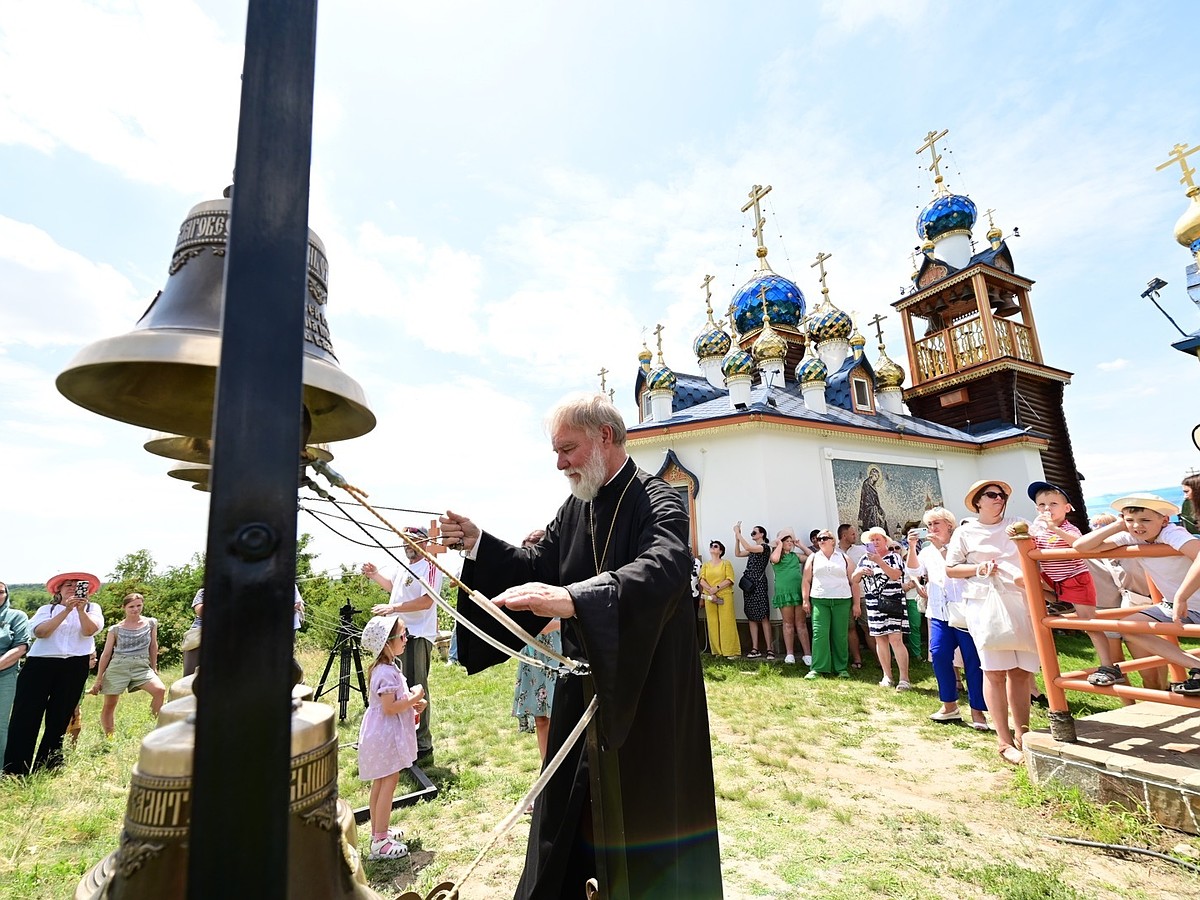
{"points": [[871, 532], [973, 490], [1146, 501]]}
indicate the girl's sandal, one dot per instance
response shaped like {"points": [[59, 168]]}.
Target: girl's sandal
{"points": [[1012, 755]]}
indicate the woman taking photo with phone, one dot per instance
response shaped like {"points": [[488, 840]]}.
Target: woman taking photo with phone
{"points": [[52, 678]]}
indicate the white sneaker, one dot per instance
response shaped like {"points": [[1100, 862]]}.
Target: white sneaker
{"points": [[807, 660], [885, 681], [790, 659]]}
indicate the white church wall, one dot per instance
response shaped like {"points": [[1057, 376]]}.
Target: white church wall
{"points": [[782, 477]]}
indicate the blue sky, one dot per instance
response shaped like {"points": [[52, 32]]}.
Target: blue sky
{"points": [[509, 194]]}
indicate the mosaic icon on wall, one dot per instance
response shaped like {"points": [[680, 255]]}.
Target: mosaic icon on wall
{"points": [[884, 495]]}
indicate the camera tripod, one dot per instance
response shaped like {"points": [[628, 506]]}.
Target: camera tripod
{"points": [[345, 649]]}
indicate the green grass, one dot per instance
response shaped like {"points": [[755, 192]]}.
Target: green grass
{"points": [[825, 788]]}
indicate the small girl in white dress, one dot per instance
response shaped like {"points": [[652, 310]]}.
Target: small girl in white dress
{"points": [[387, 739]]}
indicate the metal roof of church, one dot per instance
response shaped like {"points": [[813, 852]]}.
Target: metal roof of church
{"points": [[789, 404]]}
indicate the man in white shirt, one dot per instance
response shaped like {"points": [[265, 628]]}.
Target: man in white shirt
{"points": [[1146, 519], [414, 604]]}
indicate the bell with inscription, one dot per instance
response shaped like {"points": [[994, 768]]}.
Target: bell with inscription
{"points": [[151, 861], [162, 374]]}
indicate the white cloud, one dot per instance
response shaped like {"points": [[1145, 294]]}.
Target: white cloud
{"points": [[1114, 365], [148, 87], [55, 296]]}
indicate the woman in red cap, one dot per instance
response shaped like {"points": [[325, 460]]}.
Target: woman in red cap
{"points": [[52, 678]]}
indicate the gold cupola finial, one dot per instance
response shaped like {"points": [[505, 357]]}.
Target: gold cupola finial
{"points": [[820, 263], [603, 385], [994, 234], [757, 192], [878, 323], [931, 139], [1187, 229], [769, 345], [658, 330], [708, 296]]}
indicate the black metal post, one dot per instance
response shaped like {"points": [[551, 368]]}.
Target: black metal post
{"points": [[241, 766]]}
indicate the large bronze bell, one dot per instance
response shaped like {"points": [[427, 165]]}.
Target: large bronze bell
{"points": [[162, 374]]}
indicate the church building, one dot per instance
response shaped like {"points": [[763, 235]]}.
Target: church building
{"points": [[791, 423]]}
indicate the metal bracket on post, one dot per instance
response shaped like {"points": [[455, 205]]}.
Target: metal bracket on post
{"points": [[608, 814]]}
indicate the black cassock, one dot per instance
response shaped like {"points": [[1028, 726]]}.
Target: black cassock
{"points": [[636, 627]]}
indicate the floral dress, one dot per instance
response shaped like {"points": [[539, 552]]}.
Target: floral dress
{"points": [[534, 694], [386, 744]]}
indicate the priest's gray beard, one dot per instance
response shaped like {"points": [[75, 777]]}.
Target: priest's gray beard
{"points": [[592, 476]]}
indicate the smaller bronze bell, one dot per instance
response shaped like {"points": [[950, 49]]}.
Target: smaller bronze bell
{"points": [[199, 476], [198, 451]]}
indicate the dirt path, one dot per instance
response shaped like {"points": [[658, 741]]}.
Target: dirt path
{"points": [[895, 809]]}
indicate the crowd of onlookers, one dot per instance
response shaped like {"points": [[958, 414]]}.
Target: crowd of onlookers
{"points": [[951, 590]]}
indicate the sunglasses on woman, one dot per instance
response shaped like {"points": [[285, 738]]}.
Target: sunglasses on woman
{"points": [[994, 495]]}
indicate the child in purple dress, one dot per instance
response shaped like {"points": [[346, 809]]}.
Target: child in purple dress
{"points": [[387, 740]]}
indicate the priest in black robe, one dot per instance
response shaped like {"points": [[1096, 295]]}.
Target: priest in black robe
{"points": [[615, 566]]}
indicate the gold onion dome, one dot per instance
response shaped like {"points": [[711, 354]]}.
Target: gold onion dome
{"points": [[645, 356], [770, 345], [828, 323], [887, 372], [1187, 229], [857, 341]]}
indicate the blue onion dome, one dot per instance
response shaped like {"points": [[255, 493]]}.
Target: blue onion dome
{"points": [[946, 214], [887, 373], [811, 370], [770, 345], [828, 323], [785, 302], [738, 362], [712, 340]]}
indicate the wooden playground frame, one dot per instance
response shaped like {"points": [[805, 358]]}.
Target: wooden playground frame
{"points": [[1062, 723]]}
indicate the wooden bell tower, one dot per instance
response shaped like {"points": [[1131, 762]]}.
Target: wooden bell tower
{"points": [[976, 360]]}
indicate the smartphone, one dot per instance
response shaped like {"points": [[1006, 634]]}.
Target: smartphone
{"points": [[81, 590]]}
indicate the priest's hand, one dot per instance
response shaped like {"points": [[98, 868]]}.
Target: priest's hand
{"points": [[543, 599], [458, 531]]}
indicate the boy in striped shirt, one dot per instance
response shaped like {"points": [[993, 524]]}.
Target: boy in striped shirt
{"points": [[1069, 579]]}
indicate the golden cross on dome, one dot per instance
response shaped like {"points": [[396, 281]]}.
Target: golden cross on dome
{"points": [[658, 330], [930, 144], [612, 393], [877, 322], [708, 295], [762, 298], [988, 213], [732, 323], [603, 371], [1179, 154], [821, 257], [756, 194]]}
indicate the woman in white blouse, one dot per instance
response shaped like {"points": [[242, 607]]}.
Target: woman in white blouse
{"points": [[52, 678]]}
